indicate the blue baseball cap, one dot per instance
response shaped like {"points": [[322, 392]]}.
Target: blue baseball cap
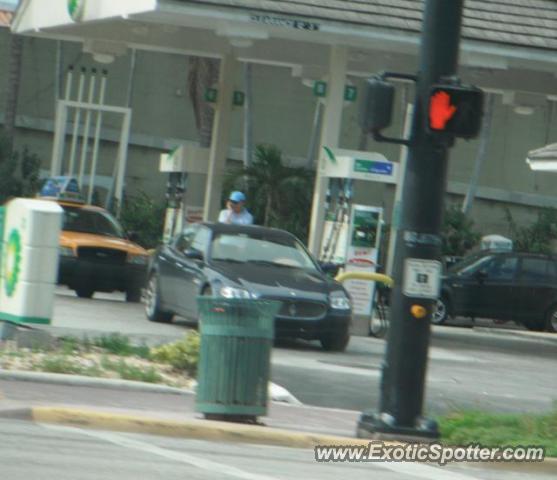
{"points": [[237, 197]]}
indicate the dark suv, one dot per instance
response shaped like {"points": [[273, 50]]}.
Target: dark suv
{"points": [[507, 286]]}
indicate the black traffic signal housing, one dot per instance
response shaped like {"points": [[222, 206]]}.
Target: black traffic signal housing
{"points": [[377, 108], [455, 110]]}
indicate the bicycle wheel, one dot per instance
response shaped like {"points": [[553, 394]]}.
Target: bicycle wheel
{"points": [[378, 324]]}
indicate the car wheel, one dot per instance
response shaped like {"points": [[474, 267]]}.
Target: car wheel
{"points": [[84, 292], [551, 320], [441, 313], [133, 295], [335, 342], [152, 302]]}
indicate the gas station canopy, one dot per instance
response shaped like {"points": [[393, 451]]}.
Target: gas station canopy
{"points": [[498, 35]]}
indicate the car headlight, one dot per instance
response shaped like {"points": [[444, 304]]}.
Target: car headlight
{"points": [[339, 301], [66, 252], [234, 292], [138, 259]]}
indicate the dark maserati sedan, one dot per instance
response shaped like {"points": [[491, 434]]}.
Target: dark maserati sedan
{"points": [[236, 261]]}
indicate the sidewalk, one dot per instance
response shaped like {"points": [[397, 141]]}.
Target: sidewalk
{"points": [[149, 411], [116, 399]]}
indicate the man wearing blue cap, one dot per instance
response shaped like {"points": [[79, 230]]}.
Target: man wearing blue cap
{"points": [[235, 212]]}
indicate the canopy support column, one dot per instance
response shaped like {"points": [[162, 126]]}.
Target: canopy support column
{"points": [[220, 139], [330, 135]]}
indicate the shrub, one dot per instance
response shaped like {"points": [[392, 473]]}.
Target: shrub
{"points": [[458, 233], [182, 355], [144, 216], [536, 238]]}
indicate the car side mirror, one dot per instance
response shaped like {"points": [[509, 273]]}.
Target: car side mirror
{"points": [[481, 275], [329, 268], [193, 254]]}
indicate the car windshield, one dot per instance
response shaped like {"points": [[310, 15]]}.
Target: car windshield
{"points": [[91, 221], [471, 264], [261, 250]]}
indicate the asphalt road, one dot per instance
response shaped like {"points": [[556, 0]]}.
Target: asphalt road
{"points": [[48, 452], [468, 368]]}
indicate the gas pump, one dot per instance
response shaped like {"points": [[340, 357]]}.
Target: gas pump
{"points": [[172, 164], [352, 233], [183, 162]]}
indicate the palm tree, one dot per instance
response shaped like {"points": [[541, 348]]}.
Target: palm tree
{"points": [[203, 74], [279, 195]]}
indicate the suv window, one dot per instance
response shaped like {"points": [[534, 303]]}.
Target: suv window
{"points": [[537, 270], [502, 268]]}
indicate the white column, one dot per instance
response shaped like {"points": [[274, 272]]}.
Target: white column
{"points": [[220, 139], [330, 135]]}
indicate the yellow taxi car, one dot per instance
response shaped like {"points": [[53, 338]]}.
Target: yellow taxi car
{"points": [[96, 254]]}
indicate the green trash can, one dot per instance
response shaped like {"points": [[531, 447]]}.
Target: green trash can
{"points": [[235, 357]]}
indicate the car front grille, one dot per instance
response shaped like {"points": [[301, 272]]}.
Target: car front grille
{"points": [[102, 255], [302, 309]]}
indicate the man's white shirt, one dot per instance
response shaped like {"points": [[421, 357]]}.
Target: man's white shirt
{"points": [[242, 218]]}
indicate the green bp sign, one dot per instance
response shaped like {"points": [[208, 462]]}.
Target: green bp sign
{"points": [[76, 9], [12, 262]]}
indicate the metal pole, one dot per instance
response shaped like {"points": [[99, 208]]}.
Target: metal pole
{"points": [[129, 99], [85, 142], [76, 120], [419, 242], [482, 155], [395, 217], [96, 141], [315, 133], [248, 115]]}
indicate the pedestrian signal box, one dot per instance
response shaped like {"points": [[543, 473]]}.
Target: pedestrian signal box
{"points": [[455, 110]]}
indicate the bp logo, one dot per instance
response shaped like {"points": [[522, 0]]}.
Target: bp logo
{"points": [[12, 262], [75, 9]]}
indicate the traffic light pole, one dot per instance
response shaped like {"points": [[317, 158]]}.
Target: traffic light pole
{"points": [[417, 260]]}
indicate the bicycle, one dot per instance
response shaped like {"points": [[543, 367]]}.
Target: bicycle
{"points": [[379, 321]]}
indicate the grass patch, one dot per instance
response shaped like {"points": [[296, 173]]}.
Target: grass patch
{"points": [[183, 355], [67, 365], [120, 345], [495, 430], [131, 372]]}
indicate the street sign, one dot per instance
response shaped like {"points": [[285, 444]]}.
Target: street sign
{"points": [[238, 99], [320, 89], [422, 278], [350, 93], [455, 110], [211, 95]]}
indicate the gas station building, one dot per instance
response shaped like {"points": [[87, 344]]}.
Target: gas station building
{"points": [[508, 49]]}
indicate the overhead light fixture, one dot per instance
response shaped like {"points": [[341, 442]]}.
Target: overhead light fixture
{"points": [[523, 110], [543, 159]]}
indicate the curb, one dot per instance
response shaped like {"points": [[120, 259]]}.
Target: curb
{"points": [[209, 430], [545, 336], [216, 431], [82, 381]]}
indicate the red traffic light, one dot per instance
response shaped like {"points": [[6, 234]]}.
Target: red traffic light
{"points": [[455, 110]]}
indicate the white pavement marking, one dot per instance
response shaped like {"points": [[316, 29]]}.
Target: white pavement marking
{"points": [[214, 467], [419, 470]]}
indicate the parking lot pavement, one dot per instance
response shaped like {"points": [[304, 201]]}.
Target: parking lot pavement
{"points": [[489, 369], [108, 313]]}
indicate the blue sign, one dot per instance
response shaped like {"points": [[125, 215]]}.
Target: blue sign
{"points": [[371, 166], [62, 188]]}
